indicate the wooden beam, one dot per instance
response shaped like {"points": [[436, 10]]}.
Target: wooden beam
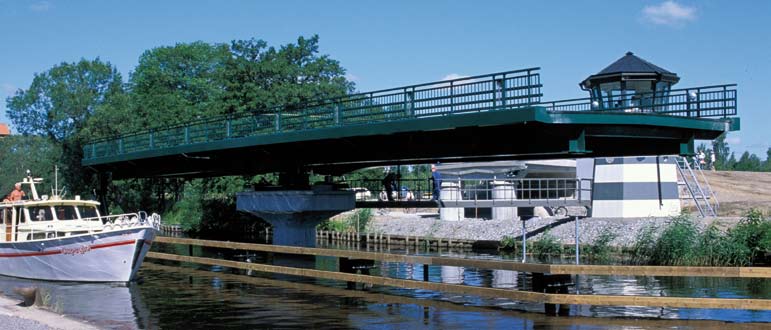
{"points": [[733, 272], [536, 297]]}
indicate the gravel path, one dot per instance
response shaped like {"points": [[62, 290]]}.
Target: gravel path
{"points": [[428, 225]]}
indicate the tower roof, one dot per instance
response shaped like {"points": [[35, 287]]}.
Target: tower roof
{"points": [[628, 67]]}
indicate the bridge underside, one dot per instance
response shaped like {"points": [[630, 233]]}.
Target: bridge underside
{"points": [[531, 133]]}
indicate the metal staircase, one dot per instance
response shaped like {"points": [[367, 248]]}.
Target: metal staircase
{"points": [[698, 188]]}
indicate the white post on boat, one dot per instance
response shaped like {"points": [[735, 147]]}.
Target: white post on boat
{"points": [[31, 182]]}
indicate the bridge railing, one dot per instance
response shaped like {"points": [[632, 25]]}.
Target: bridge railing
{"points": [[503, 90], [533, 189], [698, 102]]}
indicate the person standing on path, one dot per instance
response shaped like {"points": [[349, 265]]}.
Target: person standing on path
{"points": [[388, 184], [437, 183]]}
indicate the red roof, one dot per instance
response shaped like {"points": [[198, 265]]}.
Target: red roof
{"points": [[4, 130]]}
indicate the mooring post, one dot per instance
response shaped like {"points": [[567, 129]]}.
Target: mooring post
{"points": [[425, 272], [578, 260], [524, 241], [190, 250], [577, 242]]}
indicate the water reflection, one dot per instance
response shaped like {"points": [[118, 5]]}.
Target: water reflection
{"points": [[197, 297]]}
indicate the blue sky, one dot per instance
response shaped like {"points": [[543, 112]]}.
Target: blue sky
{"points": [[391, 43]]}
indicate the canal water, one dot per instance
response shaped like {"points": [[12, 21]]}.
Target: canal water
{"points": [[171, 295]]}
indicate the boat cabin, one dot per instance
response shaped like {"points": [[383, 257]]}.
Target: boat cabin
{"points": [[43, 217], [33, 220]]}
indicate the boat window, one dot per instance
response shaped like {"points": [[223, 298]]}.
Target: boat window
{"points": [[42, 213], [87, 212], [65, 212]]}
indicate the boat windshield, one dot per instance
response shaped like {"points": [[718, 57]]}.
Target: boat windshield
{"points": [[40, 213], [87, 212], [65, 212]]}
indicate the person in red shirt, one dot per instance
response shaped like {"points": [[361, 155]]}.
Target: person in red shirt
{"points": [[17, 194]]}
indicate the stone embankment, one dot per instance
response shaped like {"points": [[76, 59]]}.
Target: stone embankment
{"points": [[428, 225]]}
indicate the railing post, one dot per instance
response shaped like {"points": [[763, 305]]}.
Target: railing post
{"points": [[187, 134], [278, 121], [227, 128], [494, 90], [152, 139], [120, 145], [725, 98], [698, 103], [337, 113], [93, 150], [529, 89], [411, 106], [452, 97], [503, 91]]}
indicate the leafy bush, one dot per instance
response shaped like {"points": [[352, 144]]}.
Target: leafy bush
{"points": [[546, 246], [675, 246], [682, 244], [600, 250], [644, 245], [509, 243], [348, 223], [753, 235], [188, 211]]}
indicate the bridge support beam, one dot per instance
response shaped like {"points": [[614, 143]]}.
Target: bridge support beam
{"points": [[294, 214]]}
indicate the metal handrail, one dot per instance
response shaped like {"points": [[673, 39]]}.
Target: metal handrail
{"points": [[698, 102], [530, 189], [503, 90]]}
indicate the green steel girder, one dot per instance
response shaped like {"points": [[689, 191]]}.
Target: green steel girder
{"points": [[528, 133]]}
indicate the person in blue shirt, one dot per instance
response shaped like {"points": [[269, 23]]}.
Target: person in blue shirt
{"points": [[437, 183]]}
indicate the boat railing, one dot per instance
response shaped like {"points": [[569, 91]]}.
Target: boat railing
{"points": [[94, 224], [128, 220]]}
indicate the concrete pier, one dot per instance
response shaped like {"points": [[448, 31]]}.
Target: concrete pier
{"points": [[504, 191], [451, 191], [294, 214]]}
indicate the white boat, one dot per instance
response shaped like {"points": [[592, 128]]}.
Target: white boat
{"points": [[51, 238]]}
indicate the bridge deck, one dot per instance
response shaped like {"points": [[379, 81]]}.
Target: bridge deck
{"points": [[496, 116]]}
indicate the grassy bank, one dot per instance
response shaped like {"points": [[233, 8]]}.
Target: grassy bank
{"points": [[679, 242]]}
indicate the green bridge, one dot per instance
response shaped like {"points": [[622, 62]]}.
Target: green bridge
{"points": [[488, 117]]}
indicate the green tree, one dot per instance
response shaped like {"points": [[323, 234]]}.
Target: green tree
{"points": [[58, 105], [722, 152], [59, 101], [173, 84], [260, 77], [748, 162], [21, 153], [767, 163]]}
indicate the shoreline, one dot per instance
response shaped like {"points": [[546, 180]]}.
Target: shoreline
{"points": [[15, 316]]}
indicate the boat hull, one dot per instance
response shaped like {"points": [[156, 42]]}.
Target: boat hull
{"points": [[113, 256]]}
